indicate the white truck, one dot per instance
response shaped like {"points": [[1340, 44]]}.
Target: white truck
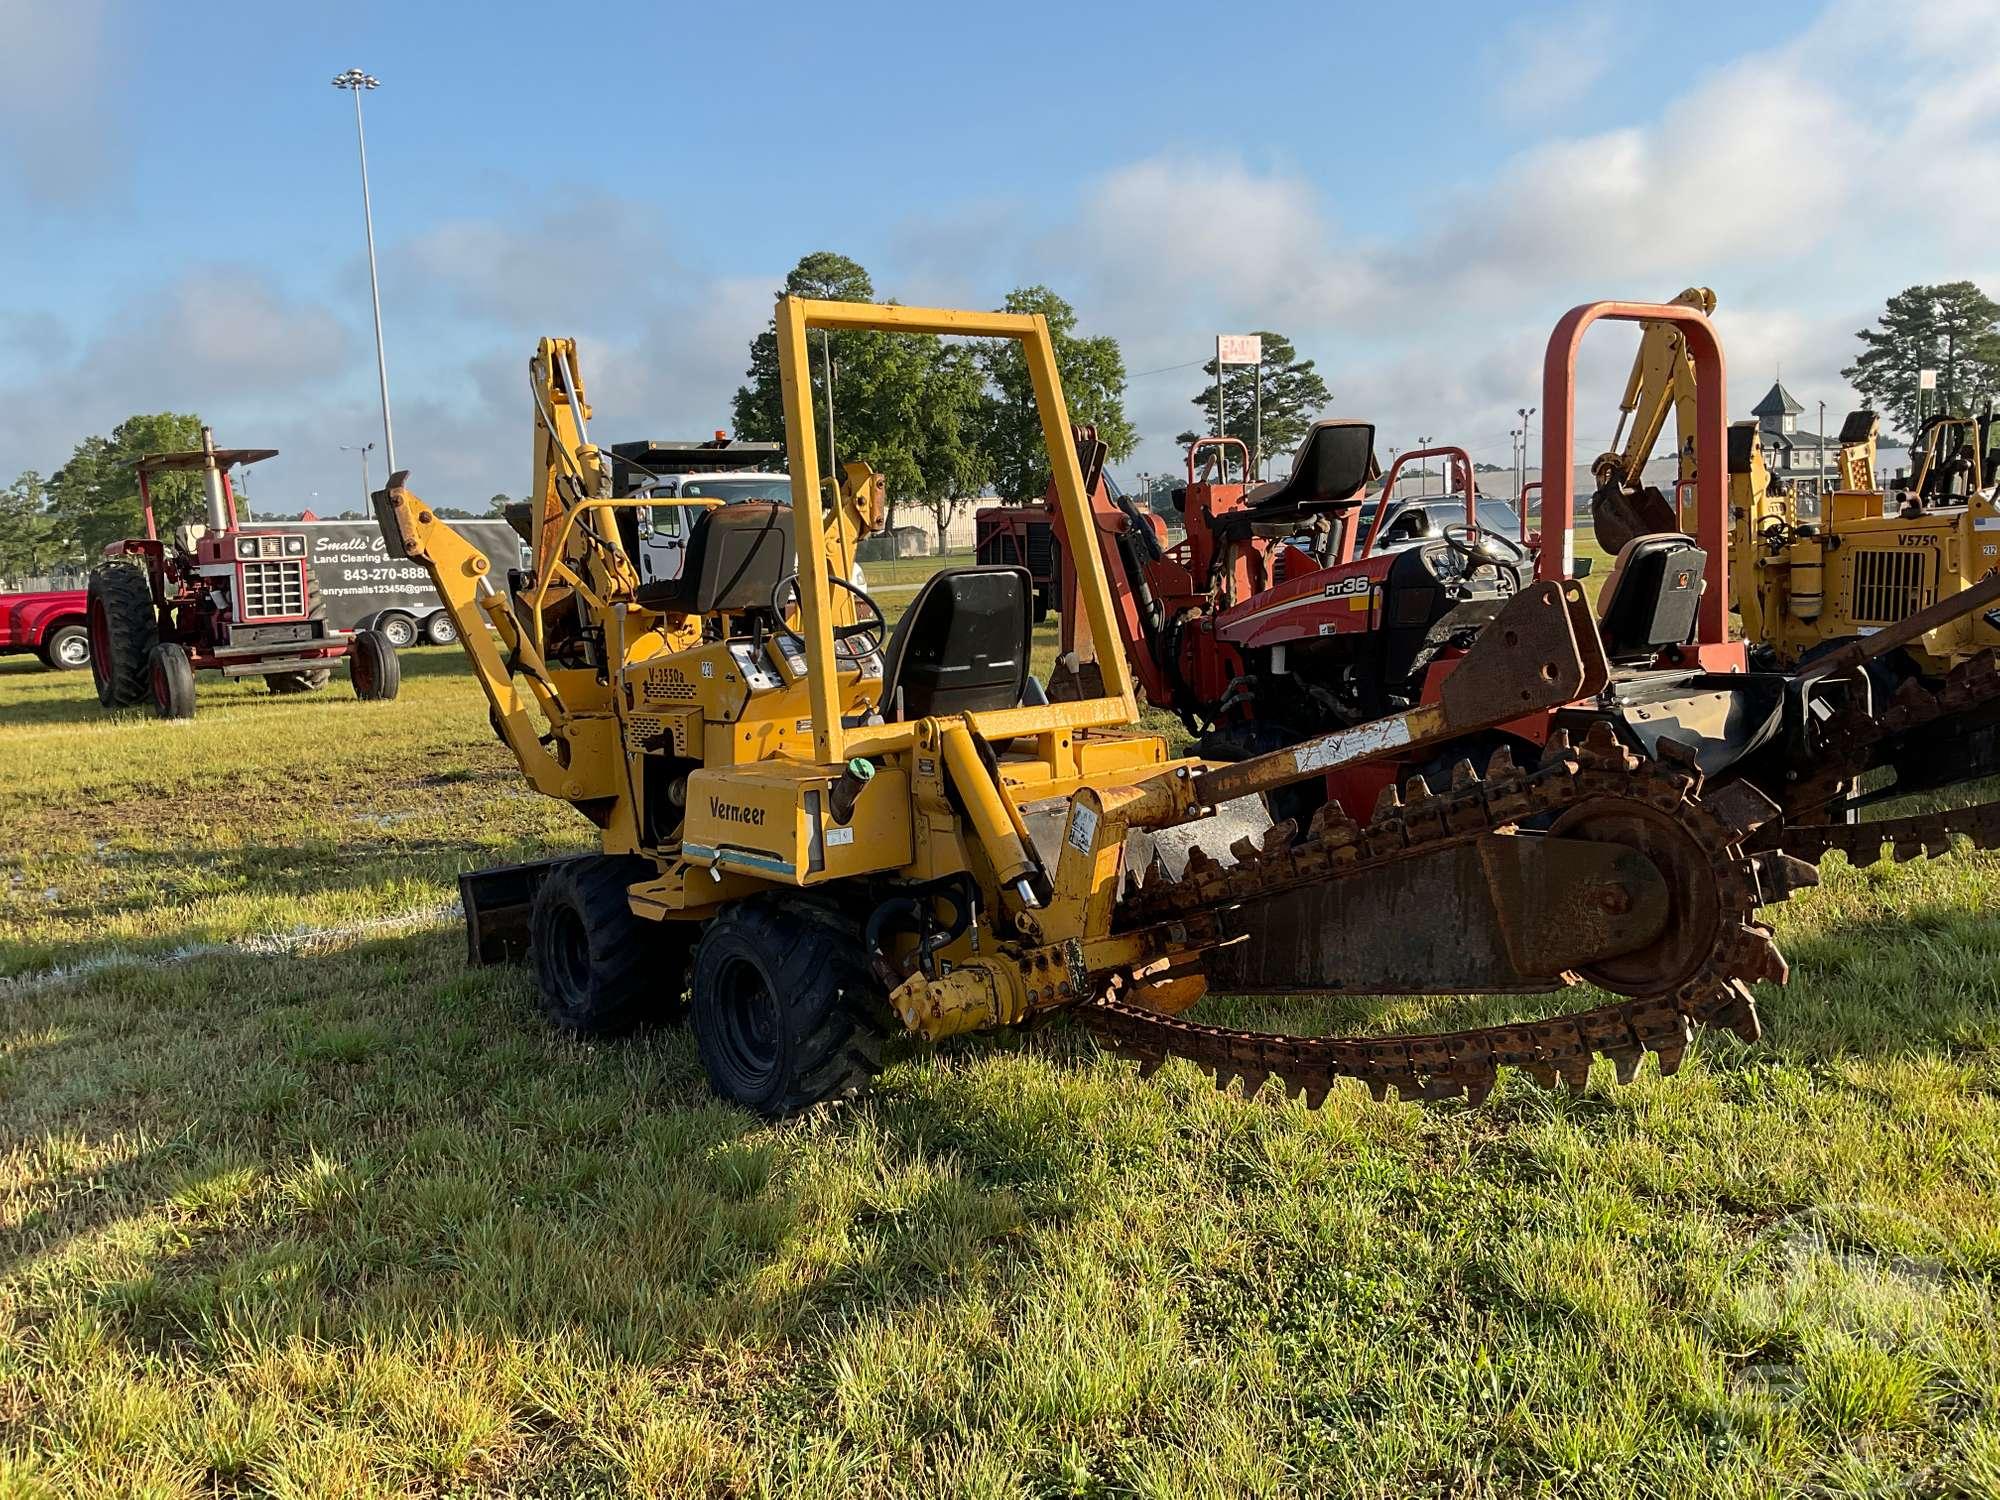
{"points": [[724, 468]]}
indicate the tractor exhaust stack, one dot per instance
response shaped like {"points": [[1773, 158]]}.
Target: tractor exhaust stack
{"points": [[211, 484]]}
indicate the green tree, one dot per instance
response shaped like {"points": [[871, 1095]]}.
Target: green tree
{"points": [[1093, 381], [1293, 396], [908, 407], [1949, 328], [497, 506], [94, 498], [760, 405], [947, 457], [30, 544]]}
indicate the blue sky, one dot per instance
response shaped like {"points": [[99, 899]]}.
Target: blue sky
{"points": [[1413, 193]]}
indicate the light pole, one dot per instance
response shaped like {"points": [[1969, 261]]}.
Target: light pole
{"points": [[1525, 413], [1819, 455], [1514, 439], [1423, 470], [354, 81], [366, 488]]}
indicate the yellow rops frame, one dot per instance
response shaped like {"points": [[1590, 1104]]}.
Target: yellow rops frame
{"points": [[834, 742]]}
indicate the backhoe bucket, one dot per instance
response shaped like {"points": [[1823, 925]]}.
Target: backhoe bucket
{"points": [[497, 903]]}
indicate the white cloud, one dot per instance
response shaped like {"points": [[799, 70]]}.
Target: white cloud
{"points": [[1169, 230], [1546, 63], [220, 339], [1804, 183]]}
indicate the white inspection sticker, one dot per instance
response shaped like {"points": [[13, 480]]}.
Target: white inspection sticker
{"points": [[1332, 749], [837, 836], [1082, 828]]}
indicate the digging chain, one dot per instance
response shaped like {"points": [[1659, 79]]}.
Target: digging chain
{"points": [[1849, 744], [1713, 990]]}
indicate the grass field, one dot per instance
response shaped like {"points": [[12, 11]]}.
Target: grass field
{"points": [[294, 1203]]}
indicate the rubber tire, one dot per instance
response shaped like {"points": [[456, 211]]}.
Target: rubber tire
{"points": [[373, 667], [60, 639], [311, 680], [124, 629], [440, 629], [820, 1016], [602, 971], [396, 627], [171, 682]]}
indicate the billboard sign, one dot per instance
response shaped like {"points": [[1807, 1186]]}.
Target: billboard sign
{"points": [[357, 577], [1239, 349]]}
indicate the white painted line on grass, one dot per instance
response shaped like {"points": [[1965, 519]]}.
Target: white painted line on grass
{"points": [[286, 944]]}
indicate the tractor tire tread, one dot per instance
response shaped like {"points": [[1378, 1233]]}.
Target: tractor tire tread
{"points": [[625, 949], [373, 668], [125, 677], [833, 1005]]}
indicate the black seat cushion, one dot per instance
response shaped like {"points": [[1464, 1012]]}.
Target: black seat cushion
{"points": [[736, 556], [1653, 597], [962, 646], [1332, 464]]}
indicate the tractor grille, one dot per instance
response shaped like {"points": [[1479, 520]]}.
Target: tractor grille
{"points": [[273, 590], [657, 732], [667, 685], [1889, 586]]}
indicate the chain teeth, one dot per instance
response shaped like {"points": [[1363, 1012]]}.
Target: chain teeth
{"points": [[1974, 684], [1558, 1050]]}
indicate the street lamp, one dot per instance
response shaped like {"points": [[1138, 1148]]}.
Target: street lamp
{"points": [[1524, 413], [367, 489], [354, 81], [1424, 470]]}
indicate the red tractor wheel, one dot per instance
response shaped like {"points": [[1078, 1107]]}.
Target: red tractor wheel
{"points": [[172, 683], [123, 632], [373, 667]]}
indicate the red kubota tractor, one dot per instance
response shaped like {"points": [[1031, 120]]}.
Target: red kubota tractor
{"points": [[240, 601], [1286, 615]]}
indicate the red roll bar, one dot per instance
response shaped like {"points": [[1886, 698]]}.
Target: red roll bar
{"points": [[1460, 469], [1710, 447], [1222, 459]]}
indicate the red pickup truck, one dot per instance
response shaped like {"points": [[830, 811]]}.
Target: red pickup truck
{"points": [[51, 625]]}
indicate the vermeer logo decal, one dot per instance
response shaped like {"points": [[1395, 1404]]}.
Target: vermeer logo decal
{"points": [[729, 812]]}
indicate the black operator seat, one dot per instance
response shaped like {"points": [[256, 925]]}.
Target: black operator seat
{"points": [[1330, 470], [736, 556], [962, 646], [1652, 597]]}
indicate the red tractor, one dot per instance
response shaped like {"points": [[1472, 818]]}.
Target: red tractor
{"points": [[1307, 604], [239, 601]]}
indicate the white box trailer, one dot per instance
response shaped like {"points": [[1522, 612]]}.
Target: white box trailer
{"points": [[364, 587]]}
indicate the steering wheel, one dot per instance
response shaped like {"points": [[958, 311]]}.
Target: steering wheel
{"points": [[871, 631], [1481, 546]]}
